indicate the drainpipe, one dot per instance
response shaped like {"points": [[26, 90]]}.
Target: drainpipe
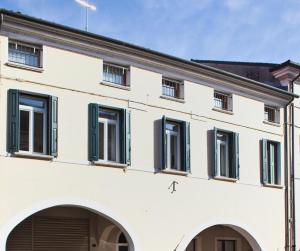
{"points": [[292, 172]]}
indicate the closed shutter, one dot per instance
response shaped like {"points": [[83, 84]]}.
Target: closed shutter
{"points": [[128, 137], [53, 126], [215, 171], [93, 133], [187, 143], [63, 234], [236, 157], [278, 163], [264, 161], [13, 121], [20, 239], [163, 143]]}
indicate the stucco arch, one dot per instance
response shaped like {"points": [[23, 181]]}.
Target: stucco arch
{"points": [[248, 233], [107, 213]]}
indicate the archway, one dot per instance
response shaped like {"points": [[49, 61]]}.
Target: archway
{"points": [[66, 227], [220, 237]]}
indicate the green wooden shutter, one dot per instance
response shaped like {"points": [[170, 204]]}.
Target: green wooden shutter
{"points": [[236, 159], [128, 137], [163, 143], [278, 163], [215, 171], [53, 126], [93, 133], [264, 161], [187, 143], [13, 118]]}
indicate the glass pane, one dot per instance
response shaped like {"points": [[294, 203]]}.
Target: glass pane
{"points": [[122, 238], [229, 245], [114, 74], [24, 130], [220, 246], [223, 160], [38, 127], [101, 141], [111, 142], [223, 152], [122, 248], [24, 54], [173, 151], [32, 101], [108, 114], [172, 127]]}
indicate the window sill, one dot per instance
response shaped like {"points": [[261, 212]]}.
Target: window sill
{"points": [[110, 164], [173, 99], [272, 185], [32, 156], [223, 178], [271, 123], [123, 87], [24, 67], [223, 111], [175, 172]]}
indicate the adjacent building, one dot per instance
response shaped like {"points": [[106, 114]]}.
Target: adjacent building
{"points": [[107, 146]]}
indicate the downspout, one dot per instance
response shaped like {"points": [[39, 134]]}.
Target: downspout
{"points": [[292, 172]]}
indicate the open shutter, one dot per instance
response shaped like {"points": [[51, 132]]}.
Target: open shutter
{"points": [[128, 137], [163, 143], [215, 171], [13, 118], [187, 155], [236, 161], [279, 163], [264, 161], [53, 126], [93, 133]]}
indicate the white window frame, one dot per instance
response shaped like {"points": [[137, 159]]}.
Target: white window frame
{"points": [[276, 114], [124, 69], [170, 133], [31, 111], [175, 82], [34, 47], [105, 122], [237, 240], [225, 95], [226, 144], [272, 166]]}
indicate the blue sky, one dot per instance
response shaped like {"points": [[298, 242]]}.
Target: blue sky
{"points": [[238, 30]]}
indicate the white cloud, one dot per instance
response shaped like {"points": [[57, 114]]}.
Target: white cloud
{"points": [[234, 5]]}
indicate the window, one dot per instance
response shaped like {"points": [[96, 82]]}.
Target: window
{"points": [[32, 123], [176, 145], [25, 54], [226, 245], [222, 101], [172, 88], [115, 74], [122, 243], [109, 134], [271, 162], [271, 114], [226, 154]]}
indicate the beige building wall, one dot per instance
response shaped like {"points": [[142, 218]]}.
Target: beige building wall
{"points": [[138, 197]]}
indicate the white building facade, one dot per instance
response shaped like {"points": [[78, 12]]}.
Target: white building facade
{"points": [[108, 146]]}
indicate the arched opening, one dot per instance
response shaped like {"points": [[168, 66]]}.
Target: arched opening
{"points": [[223, 238], [65, 228]]}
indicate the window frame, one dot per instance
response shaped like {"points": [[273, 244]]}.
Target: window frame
{"points": [[238, 246], [178, 136], [106, 122], [121, 244], [32, 110], [228, 96], [276, 114], [180, 83], [125, 76], [34, 46]]}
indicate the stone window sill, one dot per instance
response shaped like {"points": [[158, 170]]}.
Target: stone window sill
{"points": [[179, 100], [273, 185], [223, 178], [223, 111], [123, 87], [32, 156], [175, 172], [24, 67], [271, 123], [110, 164]]}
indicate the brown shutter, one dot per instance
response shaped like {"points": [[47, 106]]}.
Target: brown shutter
{"points": [[20, 239], [63, 234]]}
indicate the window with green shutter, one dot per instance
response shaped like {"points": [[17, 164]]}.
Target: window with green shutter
{"points": [[271, 162], [31, 123], [226, 154], [175, 145], [109, 134]]}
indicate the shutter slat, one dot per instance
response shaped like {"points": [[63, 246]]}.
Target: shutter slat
{"points": [[163, 143], [236, 156], [128, 137], [187, 153], [279, 163], [264, 161], [13, 118], [53, 125], [93, 133], [215, 171]]}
